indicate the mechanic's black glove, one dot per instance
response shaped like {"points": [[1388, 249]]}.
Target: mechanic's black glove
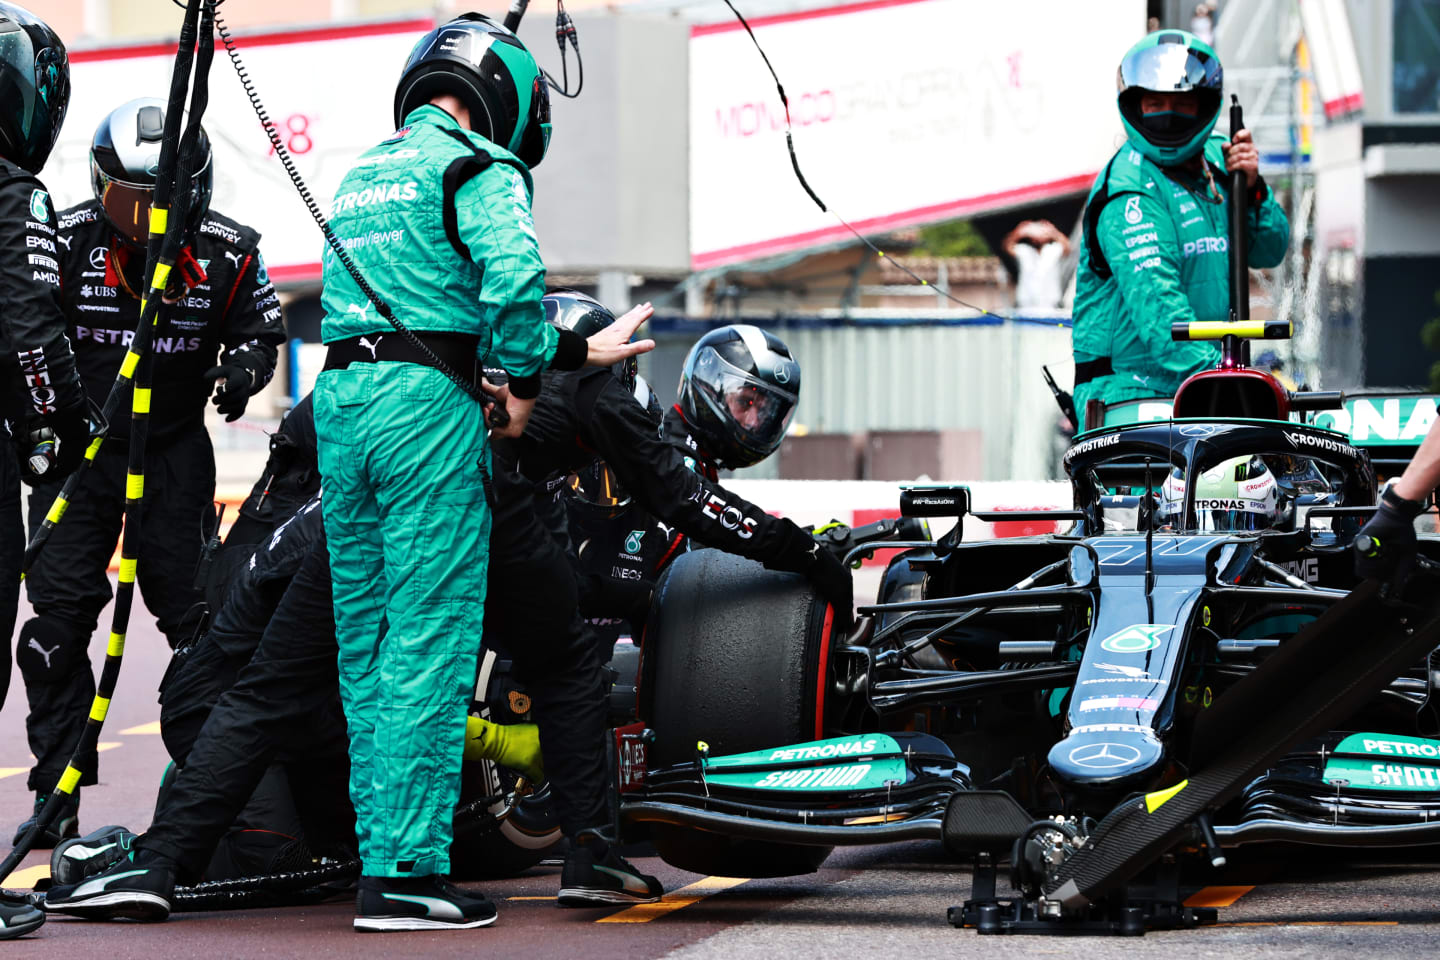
{"points": [[801, 553], [1385, 546], [237, 383], [69, 433], [833, 582]]}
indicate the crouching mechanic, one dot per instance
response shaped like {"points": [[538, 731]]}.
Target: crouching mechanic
{"points": [[1156, 229], [531, 611], [42, 395], [221, 302]]}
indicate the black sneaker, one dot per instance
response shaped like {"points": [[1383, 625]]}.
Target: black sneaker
{"points": [[386, 904], [63, 827], [595, 875], [80, 858], [18, 918], [137, 888]]}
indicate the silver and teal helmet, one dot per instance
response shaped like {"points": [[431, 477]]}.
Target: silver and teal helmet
{"points": [[1237, 494], [487, 67], [1169, 61]]}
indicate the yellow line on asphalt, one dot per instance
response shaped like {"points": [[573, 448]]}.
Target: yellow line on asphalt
{"points": [[1306, 923], [695, 892], [104, 745], [153, 727], [1217, 896], [27, 877], [529, 898], [12, 771]]}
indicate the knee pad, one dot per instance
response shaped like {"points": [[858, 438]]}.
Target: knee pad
{"points": [[47, 649]]}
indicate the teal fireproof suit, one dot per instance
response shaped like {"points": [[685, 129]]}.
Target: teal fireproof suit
{"points": [[401, 449], [1164, 234]]}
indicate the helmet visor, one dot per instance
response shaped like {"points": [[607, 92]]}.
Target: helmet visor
{"points": [[127, 206], [597, 487], [760, 412], [1170, 68]]}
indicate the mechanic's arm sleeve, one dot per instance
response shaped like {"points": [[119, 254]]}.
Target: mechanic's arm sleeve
{"points": [[29, 299], [254, 324], [492, 214], [654, 472], [1145, 258], [1268, 229]]}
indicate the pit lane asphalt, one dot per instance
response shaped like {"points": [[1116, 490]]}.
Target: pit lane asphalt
{"points": [[865, 902]]}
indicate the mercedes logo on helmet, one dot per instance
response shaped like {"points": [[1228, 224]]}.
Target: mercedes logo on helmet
{"points": [[1104, 755]]}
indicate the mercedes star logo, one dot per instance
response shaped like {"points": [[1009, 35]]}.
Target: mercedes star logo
{"points": [[1104, 755], [97, 258], [1197, 430]]}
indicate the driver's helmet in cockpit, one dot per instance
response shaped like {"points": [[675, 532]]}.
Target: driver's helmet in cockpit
{"points": [[1236, 494]]}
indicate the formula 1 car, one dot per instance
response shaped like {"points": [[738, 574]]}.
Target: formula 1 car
{"points": [[1012, 697]]}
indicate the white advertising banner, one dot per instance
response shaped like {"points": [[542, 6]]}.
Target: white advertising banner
{"points": [[905, 112], [329, 91]]}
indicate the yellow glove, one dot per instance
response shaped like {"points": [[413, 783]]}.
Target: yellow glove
{"points": [[513, 745]]}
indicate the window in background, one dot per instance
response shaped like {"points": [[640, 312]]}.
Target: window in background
{"points": [[1416, 71]]}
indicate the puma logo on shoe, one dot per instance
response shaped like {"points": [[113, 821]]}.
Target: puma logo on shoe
{"points": [[629, 881], [434, 906], [77, 852], [99, 884], [365, 342], [232, 257], [35, 645]]}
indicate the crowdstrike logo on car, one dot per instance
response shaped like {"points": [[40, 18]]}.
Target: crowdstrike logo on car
{"points": [[1086, 446], [1321, 443]]}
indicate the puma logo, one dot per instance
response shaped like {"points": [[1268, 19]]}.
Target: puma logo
{"points": [[66, 240], [365, 342], [35, 645], [360, 310], [232, 257]]}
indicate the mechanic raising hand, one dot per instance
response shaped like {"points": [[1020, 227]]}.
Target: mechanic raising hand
{"points": [[1385, 547]]}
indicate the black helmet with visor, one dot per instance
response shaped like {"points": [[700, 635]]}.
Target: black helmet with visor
{"points": [[572, 310], [738, 392], [34, 87], [124, 161]]}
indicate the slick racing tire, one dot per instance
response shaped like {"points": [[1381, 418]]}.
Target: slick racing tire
{"points": [[740, 656]]}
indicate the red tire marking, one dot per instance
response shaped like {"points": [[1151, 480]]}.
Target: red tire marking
{"points": [[824, 665]]}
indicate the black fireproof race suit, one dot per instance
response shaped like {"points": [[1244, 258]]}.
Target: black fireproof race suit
{"points": [[231, 312], [632, 547], [291, 679], [39, 374]]}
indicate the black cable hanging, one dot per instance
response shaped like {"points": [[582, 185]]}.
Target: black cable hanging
{"points": [[799, 175]]}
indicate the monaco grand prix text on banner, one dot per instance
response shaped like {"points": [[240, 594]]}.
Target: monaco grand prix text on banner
{"points": [[905, 111], [329, 91]]}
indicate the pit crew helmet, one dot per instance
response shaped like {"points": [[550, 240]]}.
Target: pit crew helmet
{"points": [[738, 391], [573, 310], [34, 87], [487, 67], [1236, 494], [1169, 61], [124, 159], [594, 490]]}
